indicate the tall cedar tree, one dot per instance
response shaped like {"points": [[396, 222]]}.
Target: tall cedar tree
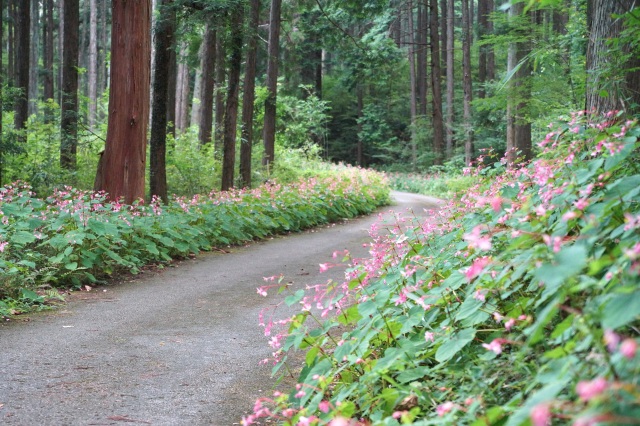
{"points": [[450, 72], [122, 165], [1, 91], [69, 105], [412, 79], [269, 129], [219, 85], [249, 95], [466, 81], [164, 37], [93, 63], [22, 41], [604, 23], [207, 84], [436, 99], [233, 88]]}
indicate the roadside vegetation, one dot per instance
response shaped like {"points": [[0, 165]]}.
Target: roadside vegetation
{"points": [[73, 237], [517, 304]]}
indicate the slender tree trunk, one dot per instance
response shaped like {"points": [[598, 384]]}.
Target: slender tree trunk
{"points": [[164, 34], [269, 130], [60, 47], [491, 58], [182, 90], [11, 41], [466, 82], [47, 56], [482, 57], [360, 106], [444, 31], [104, 32], [196, 100], [23, 15], [93, 62], [34, 56], [122, 166], [231, 113], [207, 85], [1, 91], [172, 83], [421, 57], [248, 96], [450, 78], [437, 123], [69, 106], [413, 94], [219, 94]]}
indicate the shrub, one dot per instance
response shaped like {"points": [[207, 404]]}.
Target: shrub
{"points": [[517, 305]]}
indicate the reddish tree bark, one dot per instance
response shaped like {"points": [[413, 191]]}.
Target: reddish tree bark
{"points": [[122, 165]]}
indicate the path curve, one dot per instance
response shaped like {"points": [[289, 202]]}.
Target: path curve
{"points": [[175, 347]]}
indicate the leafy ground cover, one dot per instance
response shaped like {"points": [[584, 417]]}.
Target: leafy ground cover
{"points": [[77, 237], [517, 305]]}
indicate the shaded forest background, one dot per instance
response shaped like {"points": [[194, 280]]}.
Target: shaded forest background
{"points": [[203, 94]]}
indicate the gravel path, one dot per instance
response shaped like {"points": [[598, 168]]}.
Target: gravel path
{"points": [[179, 346]]}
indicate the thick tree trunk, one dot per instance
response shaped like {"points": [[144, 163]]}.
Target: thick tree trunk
{"points": [[231, 106], [22, 38], [269, 130], [466, 82], [518, 126], [207, 83], [437, 123], [60, 47], [34, 54], [164, 34], [450, 78], [93, 63], [11, 41], [122, 166], [601, 95], [248, 96], [69, 106], [172, 83], [412, 79]]}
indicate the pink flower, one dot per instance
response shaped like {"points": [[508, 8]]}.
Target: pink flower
{"points": [[443, 409], [324, 406], [324, 267], [339, 421], [587, 390], [480, 295], [2, 246], [262, 291], [581, 204], [628, 348], [541, 415], [476, 268], [569, 215], [428, 336], [509, 324], [611, 339], [476, 240], [495, 346]]}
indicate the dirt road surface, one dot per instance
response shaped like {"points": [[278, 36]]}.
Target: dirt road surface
{"points": [[179, 346]]}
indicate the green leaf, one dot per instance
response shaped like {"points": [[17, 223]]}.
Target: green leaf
{"points": [[620, 310], [72, 266], [454, 344], [468, 307], [294, 298], [567, 263], [22, 238]]}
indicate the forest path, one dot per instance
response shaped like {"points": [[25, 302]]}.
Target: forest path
{"points": [[175, 347]]}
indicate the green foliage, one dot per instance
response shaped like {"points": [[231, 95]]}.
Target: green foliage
{"points": [[75, 237], [442, 185], [517, 305]]}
